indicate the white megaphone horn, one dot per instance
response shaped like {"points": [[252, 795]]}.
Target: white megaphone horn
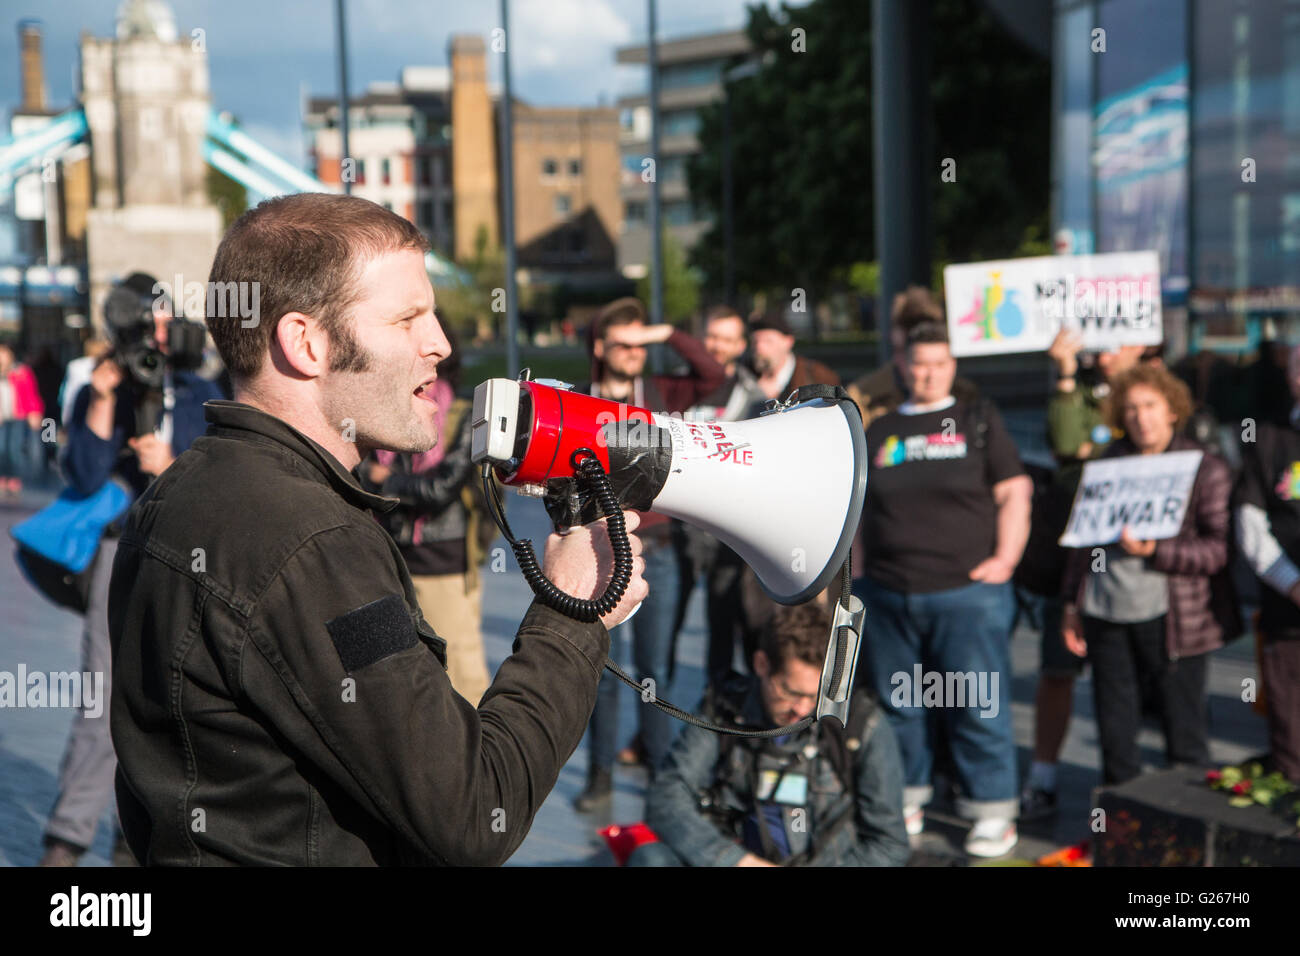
{"points": [[784, 490]]}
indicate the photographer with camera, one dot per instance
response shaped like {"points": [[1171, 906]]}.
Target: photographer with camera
{"points": [[142, 408], [818, 797]]}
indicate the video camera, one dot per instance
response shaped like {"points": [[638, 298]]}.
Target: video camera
{"points": [[129, 312]]}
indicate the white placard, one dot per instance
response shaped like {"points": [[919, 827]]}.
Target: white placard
{"points": [[1018, 305], [1147, 493]]}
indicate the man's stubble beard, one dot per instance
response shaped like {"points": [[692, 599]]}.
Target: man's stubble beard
{"points": [[365, 399]]}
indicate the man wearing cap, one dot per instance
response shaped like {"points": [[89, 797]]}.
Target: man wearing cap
{"points": [[779, 370]]}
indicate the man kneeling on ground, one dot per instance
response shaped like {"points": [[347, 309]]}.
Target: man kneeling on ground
{"points": [[818, 797]]}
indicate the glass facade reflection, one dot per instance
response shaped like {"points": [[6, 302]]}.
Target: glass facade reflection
{"points": [[1178, 129]]}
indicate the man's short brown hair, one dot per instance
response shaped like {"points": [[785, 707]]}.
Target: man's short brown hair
{"points": [[305, 253], [624, 311], [796, 633], [723, 312]]}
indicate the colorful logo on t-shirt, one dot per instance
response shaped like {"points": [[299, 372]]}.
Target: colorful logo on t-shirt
{"points": [[995, 314], [1288, 489], [936, 447], [891, 452]]}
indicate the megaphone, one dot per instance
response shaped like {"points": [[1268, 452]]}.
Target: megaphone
{"points": [[784, 490]]}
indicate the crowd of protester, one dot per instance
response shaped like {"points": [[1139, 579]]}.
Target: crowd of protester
{"points": [[958, 539]]}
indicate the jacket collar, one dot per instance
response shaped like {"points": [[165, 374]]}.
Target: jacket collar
{"points": [[1124, 445], [234, 417]]}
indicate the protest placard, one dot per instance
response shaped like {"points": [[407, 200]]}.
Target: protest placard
{"points": [[1147, 493], [1018, 305]]}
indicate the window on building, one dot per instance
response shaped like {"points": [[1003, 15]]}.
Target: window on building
{"points": [[683, 75], [562, 204], [425, 173], [635, 212], [425, 214], [681, 123], [678, 214], [575, 167], [385, 172], [550, 167], [361, 172], [672, 169]]}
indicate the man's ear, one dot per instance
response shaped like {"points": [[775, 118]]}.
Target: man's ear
{"points": [[303, 343], [598, 348], [762, 666]]}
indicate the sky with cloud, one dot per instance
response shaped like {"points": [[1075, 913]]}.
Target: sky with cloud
{"points": [[265, 55]]}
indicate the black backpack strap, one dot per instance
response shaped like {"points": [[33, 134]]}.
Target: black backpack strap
{"points": [[844, 745], [843, 749]]}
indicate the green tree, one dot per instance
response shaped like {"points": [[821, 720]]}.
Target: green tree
{"points": [[802, 146], [479, 306], [681, 284]]}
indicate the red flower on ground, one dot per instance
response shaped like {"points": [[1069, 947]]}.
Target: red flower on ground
{"points": [[1243, 787], [1213, 776]]}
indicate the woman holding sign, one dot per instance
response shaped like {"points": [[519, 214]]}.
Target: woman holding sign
{"points": [[1147, 612]]}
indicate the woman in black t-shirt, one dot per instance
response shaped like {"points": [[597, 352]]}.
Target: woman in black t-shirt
{"points": [[945, 522]]}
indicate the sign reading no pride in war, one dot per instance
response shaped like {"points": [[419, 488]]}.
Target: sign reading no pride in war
{"points": [[1018, 305], [1146, 493]]}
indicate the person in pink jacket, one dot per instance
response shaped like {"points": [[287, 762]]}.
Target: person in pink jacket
{"points": [[21, 409]]}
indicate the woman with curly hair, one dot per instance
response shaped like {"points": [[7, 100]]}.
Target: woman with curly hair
{"points": [[1148, 615]]}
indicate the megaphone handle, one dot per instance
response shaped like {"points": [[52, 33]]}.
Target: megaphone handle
{"points": [[586, 467]]}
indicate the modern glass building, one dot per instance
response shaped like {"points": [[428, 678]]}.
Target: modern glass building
{"points": [[1177, 128]]}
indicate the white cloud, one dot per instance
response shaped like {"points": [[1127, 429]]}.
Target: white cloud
{"points": [[575, 37]]}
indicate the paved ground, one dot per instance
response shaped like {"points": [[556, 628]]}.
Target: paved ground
{"points": [[45, 638]]}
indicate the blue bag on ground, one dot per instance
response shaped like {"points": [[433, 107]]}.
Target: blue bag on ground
{"points": [[58, 544]]}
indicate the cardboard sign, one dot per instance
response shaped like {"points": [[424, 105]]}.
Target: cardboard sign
{"points": [[1018, 305], [1146, 493]]}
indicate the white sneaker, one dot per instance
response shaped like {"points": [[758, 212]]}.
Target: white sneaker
{"points": [[993, 837], [914, 819]]}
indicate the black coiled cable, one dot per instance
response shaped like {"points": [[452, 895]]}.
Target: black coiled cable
{"points": [[587, 466], [587, 469]]}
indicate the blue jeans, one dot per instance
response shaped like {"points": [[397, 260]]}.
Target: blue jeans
{"points": [[14, 442], [941, 660], [651, 633]]}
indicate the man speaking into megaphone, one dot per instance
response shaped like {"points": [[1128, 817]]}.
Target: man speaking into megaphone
{"points": [[280, 698]]}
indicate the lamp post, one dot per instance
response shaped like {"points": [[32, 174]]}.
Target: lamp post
{"points": [[506, 120], [343, 93], [740, 72], [656, 240]]}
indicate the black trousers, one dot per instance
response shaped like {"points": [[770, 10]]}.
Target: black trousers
{"points": [[1127, 659], [1280, 663], [738, 609]]}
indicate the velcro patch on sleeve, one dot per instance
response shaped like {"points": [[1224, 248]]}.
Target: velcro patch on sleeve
{"points": [[372, 632]]}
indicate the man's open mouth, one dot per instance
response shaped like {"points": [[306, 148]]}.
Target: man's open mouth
{"points": [[425, 390]]}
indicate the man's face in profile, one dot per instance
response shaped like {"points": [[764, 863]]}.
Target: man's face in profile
{"points": [[400, 343], [790, 694], [724, 339], [622, 354], [772, 349]]}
